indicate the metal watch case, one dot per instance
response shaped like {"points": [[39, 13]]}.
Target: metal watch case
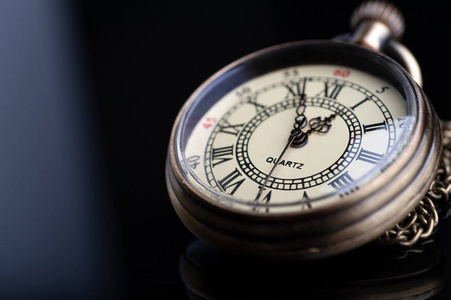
{"points": [[359, 217]]}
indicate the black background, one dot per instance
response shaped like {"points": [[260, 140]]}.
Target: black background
{"points": [[144, 59]]}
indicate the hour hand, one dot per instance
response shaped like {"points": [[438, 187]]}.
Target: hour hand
{"points": [[320, 125]]}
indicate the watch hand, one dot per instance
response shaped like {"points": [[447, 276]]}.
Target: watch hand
{"points": [[320, 125], [294, 133], [298, 138], [300, 121]]}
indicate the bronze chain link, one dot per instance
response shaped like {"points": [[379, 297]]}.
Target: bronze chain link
{"points": [[420, 224]]}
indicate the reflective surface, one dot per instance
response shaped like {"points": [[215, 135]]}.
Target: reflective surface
{"points": [[369, 273]]}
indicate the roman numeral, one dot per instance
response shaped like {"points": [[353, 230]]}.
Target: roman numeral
{"points": [[221, 155], [306, 203], [360, 103], [231, 181], [375, 126], [296, 88], [369, 157], [342, 182], [402, 122], [230, 129], [331, 90], [253, 101], [267, 198]]}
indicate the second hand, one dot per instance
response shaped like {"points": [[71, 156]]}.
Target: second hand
{"points": [[298, 139], [294, 133], [297, 133]]}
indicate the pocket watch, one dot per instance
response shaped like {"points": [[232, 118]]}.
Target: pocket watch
{"points": [[309, 148]]}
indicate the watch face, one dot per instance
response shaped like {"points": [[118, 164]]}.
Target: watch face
{"points": [[296, 136]]}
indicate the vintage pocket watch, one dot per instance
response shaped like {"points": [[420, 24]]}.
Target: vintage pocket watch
{"points": [[307, 149]]}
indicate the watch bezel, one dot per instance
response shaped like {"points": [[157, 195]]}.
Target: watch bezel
{"points": [[357, 217]]}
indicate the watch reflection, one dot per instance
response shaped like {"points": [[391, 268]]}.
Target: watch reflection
{"points": [[372, 272]]}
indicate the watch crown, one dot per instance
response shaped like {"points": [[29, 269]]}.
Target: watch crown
{"points": [[382, 12]]}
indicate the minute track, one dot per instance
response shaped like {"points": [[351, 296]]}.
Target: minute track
{"points": [[303, 182]]}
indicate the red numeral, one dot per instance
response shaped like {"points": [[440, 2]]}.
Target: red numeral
{"points": [[209, 122], [342, 73]]}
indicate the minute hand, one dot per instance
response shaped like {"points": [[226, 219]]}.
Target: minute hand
{"points": [[294, 133], [298, 138]]}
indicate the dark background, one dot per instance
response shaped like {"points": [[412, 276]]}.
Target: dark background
{"points": [[98, 220]]}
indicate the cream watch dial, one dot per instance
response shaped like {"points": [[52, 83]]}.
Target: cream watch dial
{"points": [[351, 120]]}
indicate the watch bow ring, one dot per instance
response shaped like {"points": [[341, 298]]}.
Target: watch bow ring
{"points": [[311, 148]]}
